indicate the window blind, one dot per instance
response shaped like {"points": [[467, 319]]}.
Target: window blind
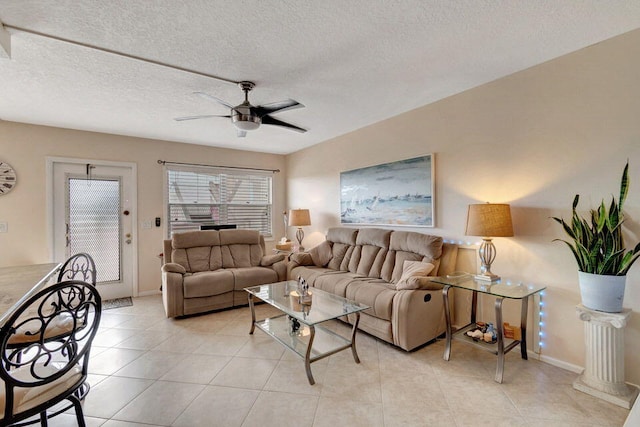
{"points": [[198, 195]]}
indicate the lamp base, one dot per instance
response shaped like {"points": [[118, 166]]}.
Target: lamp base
{"points": [[490, 277], [300, 237]]}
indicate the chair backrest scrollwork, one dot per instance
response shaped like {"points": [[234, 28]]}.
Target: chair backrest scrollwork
{"points": [[71, 307], [78, 267]]}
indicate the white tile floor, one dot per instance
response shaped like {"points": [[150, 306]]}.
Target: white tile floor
{"points": [[147, 370]]}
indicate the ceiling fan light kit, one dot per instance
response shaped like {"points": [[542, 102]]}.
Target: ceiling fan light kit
{"points": [[246, 117], [241, 115]]}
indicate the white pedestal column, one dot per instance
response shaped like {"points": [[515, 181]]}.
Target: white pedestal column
{"points": [[603, 376]]}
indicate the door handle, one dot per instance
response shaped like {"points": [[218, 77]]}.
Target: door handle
{"points": [[128, 240]]}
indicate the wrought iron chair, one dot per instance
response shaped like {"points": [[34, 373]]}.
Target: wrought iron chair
{"points": [[49, 371], [78, 267]]}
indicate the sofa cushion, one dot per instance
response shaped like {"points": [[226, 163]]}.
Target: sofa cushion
{"points": [[309, 273], [412, 270], [243, 237], [409, 246], [369, 254], [343, 241], [375, 293], [321, 254], [374, 237], [179, 256], [208, 283], [252, 276], [336, 282], [198, 258], [241, 255], [343, 235], [196, 250], [341, 253], [190, 239], [268, 260], [215, 258], [426, 245]]}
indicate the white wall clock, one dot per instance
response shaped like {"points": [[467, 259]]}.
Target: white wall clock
{"points": [[7, 178]]}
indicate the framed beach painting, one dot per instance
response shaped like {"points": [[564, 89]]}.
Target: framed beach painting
{"points": [[396, 193]]}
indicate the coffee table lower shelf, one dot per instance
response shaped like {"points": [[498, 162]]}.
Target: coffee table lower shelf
{"points": [[310, 342], [299, 328]]}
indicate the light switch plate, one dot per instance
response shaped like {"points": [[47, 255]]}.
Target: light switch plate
{"points": [[4, 227], [146, 224]]}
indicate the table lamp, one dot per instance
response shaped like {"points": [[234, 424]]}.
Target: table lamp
{"points": [[299, 218], [488, 220]]}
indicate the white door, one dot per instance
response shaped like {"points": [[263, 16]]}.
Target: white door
{"points": [[93, 211]]}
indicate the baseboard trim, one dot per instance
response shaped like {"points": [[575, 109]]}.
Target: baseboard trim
{"points": [[561, 364], [148, 293]]}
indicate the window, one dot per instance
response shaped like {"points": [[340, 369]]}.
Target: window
{"points": [[199, 195]]}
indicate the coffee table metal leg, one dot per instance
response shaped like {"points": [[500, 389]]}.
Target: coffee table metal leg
{"points": [[253, 314], [447, 316], [307, 357], [500, 344], [353, 338], [474, 307]]}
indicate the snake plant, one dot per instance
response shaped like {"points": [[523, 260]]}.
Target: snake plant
{"points": [[596, 242]]}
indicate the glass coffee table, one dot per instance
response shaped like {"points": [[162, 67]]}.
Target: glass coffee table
{"points": [[297, 328]]}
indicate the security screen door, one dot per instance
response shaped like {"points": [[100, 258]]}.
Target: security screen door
{"points": [[93, 214]]}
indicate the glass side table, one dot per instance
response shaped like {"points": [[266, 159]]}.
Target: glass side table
{"points": [[500, 291]]}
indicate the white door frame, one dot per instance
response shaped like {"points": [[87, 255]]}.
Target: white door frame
{"points": [[134, 203]]}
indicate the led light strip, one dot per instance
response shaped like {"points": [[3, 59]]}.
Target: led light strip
{"points": [[539, 321]]}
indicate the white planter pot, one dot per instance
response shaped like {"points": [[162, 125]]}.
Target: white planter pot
{"points": [[602, 293]]}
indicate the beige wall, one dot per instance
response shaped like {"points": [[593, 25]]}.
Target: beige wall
{"points": [[533, 139], [26, 147]]}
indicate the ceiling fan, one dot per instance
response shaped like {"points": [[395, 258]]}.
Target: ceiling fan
{"points": [[247, 117]]}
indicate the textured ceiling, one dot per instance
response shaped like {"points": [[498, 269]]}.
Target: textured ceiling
{"points": [[351, 62]]}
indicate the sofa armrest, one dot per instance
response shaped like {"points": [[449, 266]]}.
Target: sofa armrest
{"points": [[172, 267], [297, 259], [269, 260], [424, 283], [280, 268], [301, 258], [172, 293]]}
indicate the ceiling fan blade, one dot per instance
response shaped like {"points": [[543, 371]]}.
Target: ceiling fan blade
{"points": [[213, 98], [241, 133], [206, 116], [268, 120], [276, 107]]}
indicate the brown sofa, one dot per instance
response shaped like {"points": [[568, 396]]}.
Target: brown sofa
{"points": [[208, 270], [373, 266]]}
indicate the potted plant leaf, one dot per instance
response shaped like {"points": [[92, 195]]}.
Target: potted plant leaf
{"points": [[598, 246]]}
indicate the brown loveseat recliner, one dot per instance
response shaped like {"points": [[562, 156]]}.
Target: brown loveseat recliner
{"points": [[368, 265], [208, 270]]}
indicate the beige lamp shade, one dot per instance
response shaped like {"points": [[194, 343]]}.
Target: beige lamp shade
{"points": [[299, 217], [489, 220]]}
